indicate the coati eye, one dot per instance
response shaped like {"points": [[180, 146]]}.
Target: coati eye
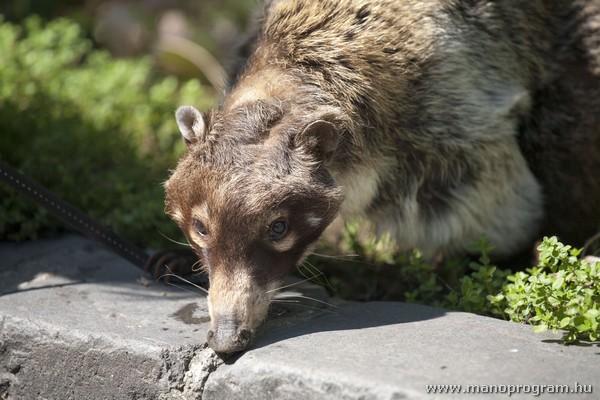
{"points": [[278, 229], [200, 228]]}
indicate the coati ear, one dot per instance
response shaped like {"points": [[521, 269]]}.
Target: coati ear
{"points": [[191, 124], [320, 137]]}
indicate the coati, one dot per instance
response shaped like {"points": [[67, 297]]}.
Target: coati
{"points": [[439, 121]]}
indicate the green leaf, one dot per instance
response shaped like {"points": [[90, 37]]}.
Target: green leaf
{"points": [[564, 322]]}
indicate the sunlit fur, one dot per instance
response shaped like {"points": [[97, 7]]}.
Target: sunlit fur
{"points": [[453, 120]]}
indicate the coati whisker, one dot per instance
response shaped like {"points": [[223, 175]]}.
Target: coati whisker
{"points": [[338, 257], [184, 280], [297, 296], [306, 273], [346, 258], [182, 287], [290, 285], [173, 240], [197, 264], [317, 273]]}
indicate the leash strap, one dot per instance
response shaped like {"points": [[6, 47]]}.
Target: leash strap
{"points": [[72, 216]]}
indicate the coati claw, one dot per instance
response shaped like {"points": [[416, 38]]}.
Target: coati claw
{"points": [[163, 265]]}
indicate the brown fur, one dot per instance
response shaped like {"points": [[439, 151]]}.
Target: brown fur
{"points": [[441, 121]]}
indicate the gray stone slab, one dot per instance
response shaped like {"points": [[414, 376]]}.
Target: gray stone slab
{"points": [[77, 322], [394, 350]]}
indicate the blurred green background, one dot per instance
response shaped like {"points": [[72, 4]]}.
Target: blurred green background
{"points": [[87, 95]]}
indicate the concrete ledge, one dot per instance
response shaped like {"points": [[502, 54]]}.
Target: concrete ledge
{"points": [[393, 351], [77, 322]]}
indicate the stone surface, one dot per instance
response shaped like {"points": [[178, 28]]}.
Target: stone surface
{"points": [[77, 322], [394, 350]]}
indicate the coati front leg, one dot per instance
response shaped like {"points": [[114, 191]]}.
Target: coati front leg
{"points": [[168, 264]]}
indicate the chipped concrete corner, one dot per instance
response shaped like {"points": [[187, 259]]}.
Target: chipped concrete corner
{"points": [[187, 370]]}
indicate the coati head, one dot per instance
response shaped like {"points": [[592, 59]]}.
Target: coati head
{"points": [[251, 194]]}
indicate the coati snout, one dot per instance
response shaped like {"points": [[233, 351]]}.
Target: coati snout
{"points": [[440, 122], [251, 208]]}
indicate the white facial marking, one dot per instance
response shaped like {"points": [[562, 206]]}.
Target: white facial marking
{"points": [[286, 243], [313, 220]]}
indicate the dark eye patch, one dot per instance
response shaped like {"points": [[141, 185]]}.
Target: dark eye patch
{"points": [[200, 228]]}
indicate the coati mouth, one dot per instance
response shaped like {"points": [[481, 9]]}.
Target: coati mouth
{"points": [[228, 337]]}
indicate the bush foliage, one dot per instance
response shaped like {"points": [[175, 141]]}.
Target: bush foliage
{"points": [[97, 131]]}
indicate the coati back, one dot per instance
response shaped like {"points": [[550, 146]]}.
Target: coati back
{"points": [[439, 121]]}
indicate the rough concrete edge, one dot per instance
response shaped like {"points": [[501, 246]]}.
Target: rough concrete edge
{"points": [[187, 370], [182, 371], [287, 382]]}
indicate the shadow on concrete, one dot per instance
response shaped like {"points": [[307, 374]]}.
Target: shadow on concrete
{"points": [[581, 343], [350, 316], [69, 261]]}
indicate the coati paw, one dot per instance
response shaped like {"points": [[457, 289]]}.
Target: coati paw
{"points": [[168, 264]]}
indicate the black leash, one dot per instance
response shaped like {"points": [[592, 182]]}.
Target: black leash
{"points": [[72, 216], [162, 264]]}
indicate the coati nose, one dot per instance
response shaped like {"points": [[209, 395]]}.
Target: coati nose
{"points": [[228, 337]]}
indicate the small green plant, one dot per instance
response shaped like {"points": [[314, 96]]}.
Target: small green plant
{"points": [[96, 130], [561, 292]]}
